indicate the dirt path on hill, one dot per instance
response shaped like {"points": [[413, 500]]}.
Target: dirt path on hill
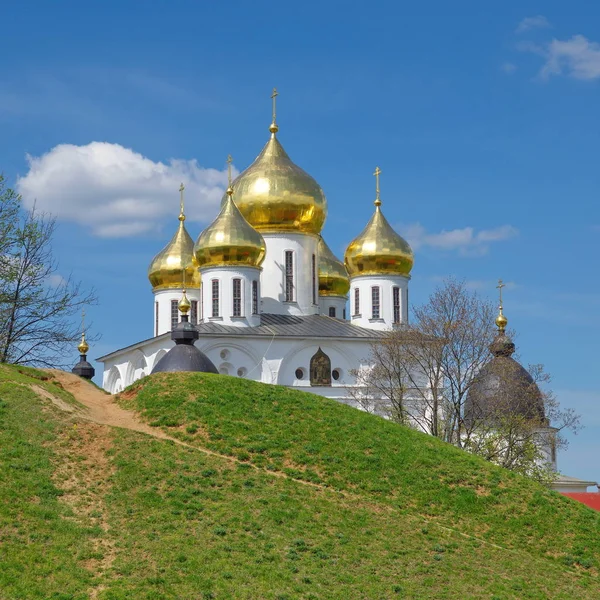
{"points": [[101, 407]]}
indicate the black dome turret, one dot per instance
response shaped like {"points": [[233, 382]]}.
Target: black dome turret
{"points": [[184, 356]]}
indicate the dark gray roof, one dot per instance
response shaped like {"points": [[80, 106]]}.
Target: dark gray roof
{"points": [[318, 326], [286, 326]]}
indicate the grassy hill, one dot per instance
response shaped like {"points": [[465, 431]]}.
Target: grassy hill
{"points": [[271, 493]]}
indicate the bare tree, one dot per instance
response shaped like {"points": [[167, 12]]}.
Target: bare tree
{"points": [[36, 304], [425, 375]]}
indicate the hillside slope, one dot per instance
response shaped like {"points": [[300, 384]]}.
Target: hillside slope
{"points": [[276, 494]]}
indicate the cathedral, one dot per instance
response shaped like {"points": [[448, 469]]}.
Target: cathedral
{"points": [[268, 297], [260, 295]]}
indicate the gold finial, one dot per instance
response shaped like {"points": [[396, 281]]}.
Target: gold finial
{"points": [[83, 345], [274, 128], [501, 320], [181, 214], [229, 187], [377, 198], [184, 304]]}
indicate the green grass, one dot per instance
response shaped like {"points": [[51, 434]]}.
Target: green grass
{"points": [[393, 514]]}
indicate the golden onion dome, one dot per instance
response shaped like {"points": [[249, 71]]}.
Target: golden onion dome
{"points": [[275, 195], [83, 346], [175, 267], [184, 304], [333, 277], [378, 250], [230, 240]]}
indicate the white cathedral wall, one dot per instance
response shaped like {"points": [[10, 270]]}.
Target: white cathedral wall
{"points": [[306, 284], [269, 360], [225, 277], [364, 316], [337, 303], [162, 308]]}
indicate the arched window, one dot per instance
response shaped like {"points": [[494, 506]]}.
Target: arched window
{"points": [[320, 369]]}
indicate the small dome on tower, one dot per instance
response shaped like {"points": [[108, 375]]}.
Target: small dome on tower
{"points": [[166, 271], [229, 239], [333, 277], [503, 387], [378, 250], [275, 195]]}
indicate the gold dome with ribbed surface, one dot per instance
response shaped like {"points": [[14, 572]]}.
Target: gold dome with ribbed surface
{"points": [[166, 271], [275, 195], [378, 250], [333, 277], [230, 240]]}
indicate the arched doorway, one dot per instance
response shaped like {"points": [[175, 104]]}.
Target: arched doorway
{"points": [[320, 369]]}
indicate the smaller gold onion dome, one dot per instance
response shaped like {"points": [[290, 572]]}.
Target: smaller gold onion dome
{"points": [[175, 267], [333, 277], [501, 320], [83, 346], [230, 239], [275, 195], [378, 250], [184, 304]]}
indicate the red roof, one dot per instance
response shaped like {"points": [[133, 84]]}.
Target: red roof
{"points": [[591, 499]]}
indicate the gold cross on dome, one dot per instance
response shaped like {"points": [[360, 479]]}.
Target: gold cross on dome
{"points": [[83, 320], [377, 174], [274, 96], [181, 188], [499, 287], [229, 161]]}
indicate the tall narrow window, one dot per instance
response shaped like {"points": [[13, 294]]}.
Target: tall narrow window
{"points": [[255, 297], [314, 279], [201, 301], [194, 312], [332, 311], [356, 302], [344, 314], [237, 297], [406, 305], [156, 318], [396, 302], [174, 313], [215, 297], [375, 302], [289, 276]]}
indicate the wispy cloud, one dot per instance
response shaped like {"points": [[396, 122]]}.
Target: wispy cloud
{"points": [[576, 57], [508, 68], [115, 191], [529, 23], [466, 241]]}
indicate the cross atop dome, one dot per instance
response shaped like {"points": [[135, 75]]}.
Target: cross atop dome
{"points": [[377, 192], [274, 128]]}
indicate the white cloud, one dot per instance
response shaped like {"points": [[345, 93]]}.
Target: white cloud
{"points": [[467, 241], [577, 57], [528, 23], [118, 192]]}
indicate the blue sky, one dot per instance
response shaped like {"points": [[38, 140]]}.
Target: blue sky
{"points": [[482, 118]]}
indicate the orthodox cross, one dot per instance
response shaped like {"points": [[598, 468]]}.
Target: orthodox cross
{"points": [[377, 174], [229, 161], [274, 96], [83, 320], [499, 288], [181, 188]]}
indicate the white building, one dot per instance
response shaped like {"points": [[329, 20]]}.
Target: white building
{"points": [[268, 296]]}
